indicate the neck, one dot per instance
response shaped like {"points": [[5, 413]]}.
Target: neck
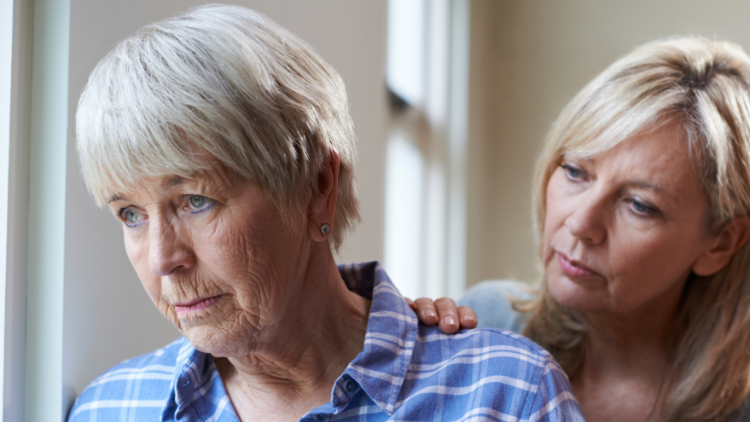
{"points": [[640, 339], [302, 354], [627, 356]]}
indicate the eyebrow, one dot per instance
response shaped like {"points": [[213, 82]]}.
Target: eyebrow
{"points": [[650, 186], [174, 181]]}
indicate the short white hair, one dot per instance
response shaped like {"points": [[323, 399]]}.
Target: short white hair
{"points": [[226, 81]]}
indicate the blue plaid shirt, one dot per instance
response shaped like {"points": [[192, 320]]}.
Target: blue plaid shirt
{"points": [[406, 371]]}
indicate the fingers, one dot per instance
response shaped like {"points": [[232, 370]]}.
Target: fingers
{"points": [[411, 304], [467, 317], [426, 311], [446, 309]]}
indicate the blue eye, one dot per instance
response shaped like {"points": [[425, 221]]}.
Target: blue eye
{"points": [[641, 209], [131, 217], [199, 203], [573, 172]]}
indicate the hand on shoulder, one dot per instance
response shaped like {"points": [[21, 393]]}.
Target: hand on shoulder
{"points": [[487, 304], [443, 312]]}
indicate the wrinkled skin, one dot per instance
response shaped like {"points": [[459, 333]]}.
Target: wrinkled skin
{"points": [[246, 285], [234, 248]]}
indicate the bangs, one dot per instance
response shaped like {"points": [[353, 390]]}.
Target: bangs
{"points": [[116, 164], [219, 85], [150, 109], [600, 124]]}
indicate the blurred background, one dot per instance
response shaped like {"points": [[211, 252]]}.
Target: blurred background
{"points": [[451, 101]]}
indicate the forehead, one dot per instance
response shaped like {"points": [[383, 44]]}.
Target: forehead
{"points": [[659, 159], [216, 179], [661, 150], [662, 141]]}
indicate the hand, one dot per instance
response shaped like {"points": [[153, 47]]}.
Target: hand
{"points": [[445, 311]]}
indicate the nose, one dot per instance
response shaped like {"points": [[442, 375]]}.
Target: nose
{"points": [[587, 220], [169, 249]]}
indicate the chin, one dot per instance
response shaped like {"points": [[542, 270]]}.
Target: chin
{"points": [[217, 341], [573, 295]]}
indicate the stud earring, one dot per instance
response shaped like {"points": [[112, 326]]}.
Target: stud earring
{"points": [[325, 228]]}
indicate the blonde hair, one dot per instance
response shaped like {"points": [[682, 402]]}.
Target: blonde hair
{"points": [[705, 86], [226, 81]]}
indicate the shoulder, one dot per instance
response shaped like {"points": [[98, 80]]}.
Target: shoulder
{"points": [[138, 386], [499, 371], [491, 300], [520, 355]]}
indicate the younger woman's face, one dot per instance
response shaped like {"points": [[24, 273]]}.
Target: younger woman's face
{"points": [[623, 230]]}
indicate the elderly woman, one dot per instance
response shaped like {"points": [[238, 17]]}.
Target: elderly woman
{"points": [[642, 202], [224, 145]]}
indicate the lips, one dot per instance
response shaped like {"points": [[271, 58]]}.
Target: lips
{"points": [[573, 268], [196, 305]]}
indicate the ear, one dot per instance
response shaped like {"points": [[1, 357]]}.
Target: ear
{"points": [[323, 205], [730, 239]]}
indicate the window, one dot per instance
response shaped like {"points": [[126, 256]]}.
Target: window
{"points": [[427, 77], [16, 23]]}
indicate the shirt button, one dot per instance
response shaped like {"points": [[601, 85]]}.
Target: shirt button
{"points": [[321, 417], [349, 386]]}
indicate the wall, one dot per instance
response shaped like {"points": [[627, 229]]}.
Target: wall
{"points": [[108, 316], [528, 59]]}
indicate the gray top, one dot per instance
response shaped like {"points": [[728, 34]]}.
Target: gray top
{"points": [[490, 300]]}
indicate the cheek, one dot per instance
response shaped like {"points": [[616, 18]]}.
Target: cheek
{"points": [[240, 255], [234, 256], [554, 218], [264, 256], [652, 262], [137, 250], [136, 247]]}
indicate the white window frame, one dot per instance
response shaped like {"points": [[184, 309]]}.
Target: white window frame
{"points": [[16, 26], [425, 236], [34, 49], [6, 54], [46, 399]]}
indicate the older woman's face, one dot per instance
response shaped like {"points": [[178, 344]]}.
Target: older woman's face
{"points": [[624, 229], [214, 256]]}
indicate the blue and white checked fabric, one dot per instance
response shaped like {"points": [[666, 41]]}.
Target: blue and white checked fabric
{"points": [[406, 372]]}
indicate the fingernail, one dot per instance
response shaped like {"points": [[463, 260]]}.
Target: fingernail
{"points": [[449, 320], [430, 313], [467, 318]]}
